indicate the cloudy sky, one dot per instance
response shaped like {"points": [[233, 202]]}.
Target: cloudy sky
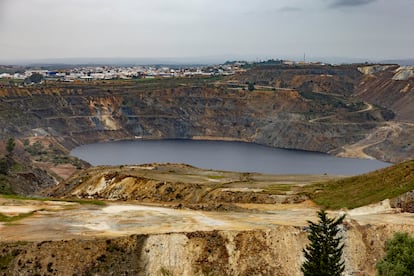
{"points": [[368, 29]]}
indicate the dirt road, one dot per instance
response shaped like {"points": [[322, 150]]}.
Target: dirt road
{"points": [[379, 135]]}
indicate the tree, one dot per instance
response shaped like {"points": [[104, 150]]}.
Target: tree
{"points": [[399, 256], [250, 86], [324, 252], [34, 78], [10, 146]]}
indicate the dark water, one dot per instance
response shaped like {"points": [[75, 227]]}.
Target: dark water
{"points": [[229, 156]]}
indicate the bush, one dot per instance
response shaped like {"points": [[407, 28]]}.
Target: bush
{"points": [[4, 167], [399, 257]]}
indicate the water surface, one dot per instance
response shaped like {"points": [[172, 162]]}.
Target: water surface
{"points": [[223, 155]]}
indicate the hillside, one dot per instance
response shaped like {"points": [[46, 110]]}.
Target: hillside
{"points": [[184, 186], [352, 192], [391, 87]]}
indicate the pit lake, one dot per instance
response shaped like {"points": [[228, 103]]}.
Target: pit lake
{"points": [[221, 155]]}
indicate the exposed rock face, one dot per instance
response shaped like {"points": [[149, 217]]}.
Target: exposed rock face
{"points": [[405, 202], [276, 251], [332, 109], [286, 118], [181, 185], [404, 73], [393, 88], [373, 69]]}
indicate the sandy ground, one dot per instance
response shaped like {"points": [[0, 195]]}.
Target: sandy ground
{"points": [[62, 220]]}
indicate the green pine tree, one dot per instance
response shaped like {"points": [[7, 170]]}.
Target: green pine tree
{"points": [[324, 253]]}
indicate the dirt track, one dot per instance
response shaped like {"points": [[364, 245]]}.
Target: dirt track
{"points": [[379, 135]]}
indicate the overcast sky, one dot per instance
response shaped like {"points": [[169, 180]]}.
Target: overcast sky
{"points": [[371, 29]]}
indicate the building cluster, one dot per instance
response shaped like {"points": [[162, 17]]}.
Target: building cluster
{"points": [[117, 72]]}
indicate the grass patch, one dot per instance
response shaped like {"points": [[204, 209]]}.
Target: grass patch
{"points": [[278, 189], [17, 167], [365, 189], [84, 201], [9, 219], [5, 261], [80, 201]]}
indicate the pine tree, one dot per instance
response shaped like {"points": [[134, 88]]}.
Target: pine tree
{"points": [[324, 252]]}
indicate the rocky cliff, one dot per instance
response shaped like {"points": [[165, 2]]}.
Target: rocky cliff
{"points": [[276, 251]]}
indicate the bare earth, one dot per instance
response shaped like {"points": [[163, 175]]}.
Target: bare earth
{"points": [[379, 135], [65, 220]]}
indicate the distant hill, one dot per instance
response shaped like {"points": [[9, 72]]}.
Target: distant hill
{"points": [[402, 62]]}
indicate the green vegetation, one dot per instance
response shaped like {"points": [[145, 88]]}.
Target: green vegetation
{"points": [[50, 154], [4, 166], [5, 185], [17, 167], [399, 258], [323, 254], [80, 201], [278, 189], [250, 86], [6, 163], [34, 78], [11, 82], [83, 201], [10, 146], [5, 261], [365, 189], [35, 149], [8, 219]]}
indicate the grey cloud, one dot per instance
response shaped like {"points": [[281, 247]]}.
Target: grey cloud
{"points": [[349, 3], [289, 9]]}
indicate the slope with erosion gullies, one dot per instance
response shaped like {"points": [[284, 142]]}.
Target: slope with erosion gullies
{"points": [[19, 174], [385, 89], [184, 185], [395, 183], [390, 86], [193, 187]]}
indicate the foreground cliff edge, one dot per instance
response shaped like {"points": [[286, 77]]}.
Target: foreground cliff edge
{"points": [[220, 226]]}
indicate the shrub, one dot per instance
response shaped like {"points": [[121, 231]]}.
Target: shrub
{"points": [[399, 256]]}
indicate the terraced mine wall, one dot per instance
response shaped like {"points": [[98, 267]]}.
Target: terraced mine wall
{"points": [[75, 115], [276, 251], [316, 108]]}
